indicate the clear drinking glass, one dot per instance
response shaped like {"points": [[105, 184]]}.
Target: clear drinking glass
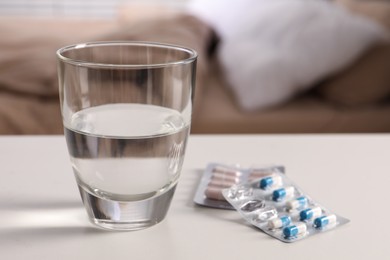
{"points": [[126, 109]]}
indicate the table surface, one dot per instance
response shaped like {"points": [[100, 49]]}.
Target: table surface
{"points": [[42, 217]]}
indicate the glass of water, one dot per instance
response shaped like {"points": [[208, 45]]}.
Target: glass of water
{"points": [[126, 109]]}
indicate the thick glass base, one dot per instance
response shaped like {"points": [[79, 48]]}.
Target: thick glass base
{"points": [[126, 215]]}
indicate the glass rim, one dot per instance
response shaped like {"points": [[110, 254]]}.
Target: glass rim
{"points": [[192, 54]]}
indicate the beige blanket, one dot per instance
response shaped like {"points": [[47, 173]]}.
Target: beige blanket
{"points": [[28, 71]]}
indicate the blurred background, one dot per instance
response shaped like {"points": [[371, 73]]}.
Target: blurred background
{"points": [[86, 8], [270, 66]]}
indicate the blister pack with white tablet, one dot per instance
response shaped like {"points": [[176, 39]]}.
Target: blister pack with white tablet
{"points": [[279, 208]]}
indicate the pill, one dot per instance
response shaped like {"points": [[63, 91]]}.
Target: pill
{"points": [[271, 181], [221, 184], [279, 222], [223, 177], [282, 193], [297, 203], [227, 171], [256, 177], [324, 221], [260, 173], [295, 230], [310, 213], [214, 193]]}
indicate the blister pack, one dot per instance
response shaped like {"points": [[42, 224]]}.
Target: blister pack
{"points": [[217, 177], [280, 208]]}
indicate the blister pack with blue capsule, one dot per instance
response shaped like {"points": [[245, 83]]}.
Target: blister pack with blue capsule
{"points": [[278, 207], [217, 177]]}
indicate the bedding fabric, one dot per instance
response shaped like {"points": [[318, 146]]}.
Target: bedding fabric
{"points": [[29, 102], [272, 50]]}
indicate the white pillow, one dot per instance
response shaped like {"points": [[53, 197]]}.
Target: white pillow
{"points": [[273, 49]]}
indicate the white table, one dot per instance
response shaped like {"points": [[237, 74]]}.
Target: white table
{"points": [[41, 215]]}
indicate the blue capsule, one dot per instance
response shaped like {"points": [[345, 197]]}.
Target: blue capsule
{"points": [[286, 220], [310, 213], [266, 182], [324, 221], [282, 193], [298, 203], [283, 221], [294, 230], [270, 182]]}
